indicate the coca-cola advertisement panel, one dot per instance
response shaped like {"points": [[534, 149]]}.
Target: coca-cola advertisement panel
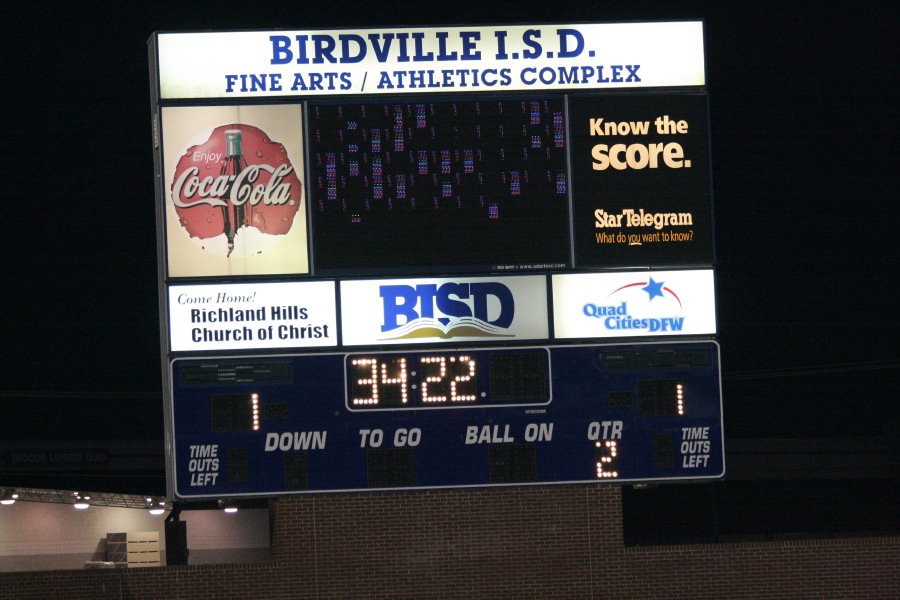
{"points": [[234, 190]]}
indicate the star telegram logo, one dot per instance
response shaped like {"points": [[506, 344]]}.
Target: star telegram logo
{"points": [[618, 317]]}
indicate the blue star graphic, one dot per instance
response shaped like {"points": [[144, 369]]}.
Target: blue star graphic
{"points": [[654, 288]]}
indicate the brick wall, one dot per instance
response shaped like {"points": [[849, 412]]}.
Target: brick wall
{"points": [[531, 542]]}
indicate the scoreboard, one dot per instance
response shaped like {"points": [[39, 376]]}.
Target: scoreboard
{"points": [[439, 418], [435, 257]]}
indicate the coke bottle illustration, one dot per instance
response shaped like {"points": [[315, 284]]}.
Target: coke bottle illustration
{"points": [[236, 180], [232, 165]]}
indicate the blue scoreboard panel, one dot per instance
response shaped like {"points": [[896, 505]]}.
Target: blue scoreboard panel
{"points": [[426, 418]]}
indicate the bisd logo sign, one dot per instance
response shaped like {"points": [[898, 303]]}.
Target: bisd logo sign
{"points": [[482, 309], [432, 310], [617, 316], [666, 303]]}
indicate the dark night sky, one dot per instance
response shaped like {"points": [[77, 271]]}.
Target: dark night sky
{"points": [[804, 121]]}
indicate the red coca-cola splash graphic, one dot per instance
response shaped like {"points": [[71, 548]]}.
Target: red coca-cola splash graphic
{"points": [[237, 178]]}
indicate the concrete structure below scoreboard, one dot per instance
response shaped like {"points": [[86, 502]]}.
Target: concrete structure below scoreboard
{"points": [[504, 542], [43, 536]]}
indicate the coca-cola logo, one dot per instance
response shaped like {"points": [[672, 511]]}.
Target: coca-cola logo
{"points": [[237, 178]]}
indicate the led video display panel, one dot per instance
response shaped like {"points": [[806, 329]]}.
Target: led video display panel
{"points": [[460, 185]]}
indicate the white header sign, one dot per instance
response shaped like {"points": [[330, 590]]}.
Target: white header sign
{"points": [[409, 311], [430, 59], [634, 304], [253, 315]]}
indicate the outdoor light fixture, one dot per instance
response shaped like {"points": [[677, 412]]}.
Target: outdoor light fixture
{"points": [[228, 506], [8, 497], [81, 502], [155, 507]]}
